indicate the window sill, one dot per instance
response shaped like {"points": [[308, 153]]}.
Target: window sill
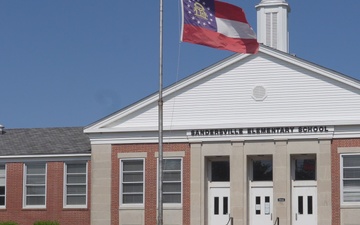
{"points": [[132, 207], [67, 208], [34, 209], [350, 206], [172, 207]]}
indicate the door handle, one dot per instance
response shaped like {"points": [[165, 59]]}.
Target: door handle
{"points": [[271, 216], [295, 216]]}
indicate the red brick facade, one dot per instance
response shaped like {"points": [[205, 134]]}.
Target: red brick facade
{"points": [[335, 174], [150, 179], [54, 198]]}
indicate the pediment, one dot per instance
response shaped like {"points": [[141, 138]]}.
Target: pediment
{"points": [[270, 88]]}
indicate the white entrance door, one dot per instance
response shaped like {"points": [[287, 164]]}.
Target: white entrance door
{"points": [[261, 204], [304, 205], [219, 205]]}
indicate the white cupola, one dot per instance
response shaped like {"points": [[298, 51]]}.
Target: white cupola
{"points": [[272, 24]]}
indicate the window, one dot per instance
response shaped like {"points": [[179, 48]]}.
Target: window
{"points": [[2, 185], [35, 185], [350, 176], [132, 181], [75, 185], [220, 171], [172, 180], [305, 169], [262, 170]]}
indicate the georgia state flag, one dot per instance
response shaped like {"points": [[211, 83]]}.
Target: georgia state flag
{"points": [[219, 25]]}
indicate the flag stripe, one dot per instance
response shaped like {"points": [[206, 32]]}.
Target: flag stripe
{"points": [[202, 36], [234, 29], [230, 12]]}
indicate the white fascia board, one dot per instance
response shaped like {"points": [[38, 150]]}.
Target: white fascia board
{"points": [[187, 139], [131, 130], [48, 158], [336, 130]]}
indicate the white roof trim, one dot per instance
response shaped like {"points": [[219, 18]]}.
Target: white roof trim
{"points": [[57, 157]]}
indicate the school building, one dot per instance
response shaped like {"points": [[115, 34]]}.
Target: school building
{"points": [[266, 139]]}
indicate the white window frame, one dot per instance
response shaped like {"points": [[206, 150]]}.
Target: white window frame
{"points": [[4, 177], [121, 183], [175, 204], [342, 180], [65, 195], [25, 205]]}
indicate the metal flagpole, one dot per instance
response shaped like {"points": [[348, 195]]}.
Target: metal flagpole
{"points": [[160, 108]]}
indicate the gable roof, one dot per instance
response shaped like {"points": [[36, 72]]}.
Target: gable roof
{"points": [[299, 92], [44, 141]]}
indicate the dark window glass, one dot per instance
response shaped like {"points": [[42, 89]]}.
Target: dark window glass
{"points": [[305, 169], [267, 199], [2, 190], [300, 205], [216, 205], [2, 200], [310, 205], [225, 206], [262, 170], [220, 171]]}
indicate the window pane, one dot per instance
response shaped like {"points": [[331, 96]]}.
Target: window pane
{"points": [[2, 181], [2, 190], [172, 198], [132, 165], [76, 189], [2, 170], [351, 196], [351, 160], [172, 176], [172, 187], [172, 164], [35, 169], [220, 171], [2, 200], [351, 172], [76, 200], [310, 205], [225, 205], [300, 205], [35, 179], [76, 168], [35, 200], [262, 170], [351, 185], [36, 190], [134, 187], [305, 169], [132, 199], [76, 179], [133, 177], [216, 206]]}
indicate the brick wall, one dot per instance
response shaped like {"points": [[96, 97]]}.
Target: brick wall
{"points": [[54, 198], [335, 173], [150, 179]]}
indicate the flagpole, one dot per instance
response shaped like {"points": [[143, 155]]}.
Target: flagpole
{"points": [[160, 109]]}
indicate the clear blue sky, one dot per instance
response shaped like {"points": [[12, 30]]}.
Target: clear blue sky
{"points": [[72, 62]]}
